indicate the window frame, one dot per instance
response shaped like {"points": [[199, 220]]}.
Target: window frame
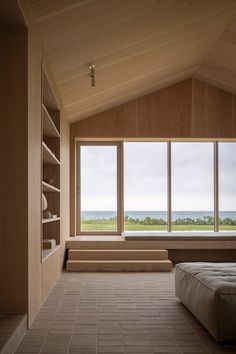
{"points": [[218, 184], [119, 187], [215, 183], [120, 182], [168, 184]]}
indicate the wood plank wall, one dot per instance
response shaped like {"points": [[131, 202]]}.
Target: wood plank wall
{"points": [[202, 255], [42, 276], [213, 112], [34, 173], [25, 280], [190, 109], [13, 162]]}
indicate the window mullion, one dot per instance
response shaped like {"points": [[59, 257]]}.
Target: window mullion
{"points": [[216, 187], [169, 186], [120, 190]]}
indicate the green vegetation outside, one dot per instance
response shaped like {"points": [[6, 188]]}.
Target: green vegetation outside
{"points": [[151, 224]]}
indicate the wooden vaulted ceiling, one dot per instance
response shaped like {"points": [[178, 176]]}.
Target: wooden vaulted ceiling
{"points": [[219, 67], [137, 46]]}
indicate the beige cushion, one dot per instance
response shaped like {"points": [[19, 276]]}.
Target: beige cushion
{"points": [[208, 290]]}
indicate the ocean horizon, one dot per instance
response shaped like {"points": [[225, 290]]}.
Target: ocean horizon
{"points": [[141, 215]]}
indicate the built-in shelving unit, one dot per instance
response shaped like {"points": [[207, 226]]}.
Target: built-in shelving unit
{"points": [[48, 253], [49, 128], [48, 156], [49, 188], [50, 166], [45, 221]]}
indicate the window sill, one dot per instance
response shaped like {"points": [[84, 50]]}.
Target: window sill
{"points": [[179, 235]]}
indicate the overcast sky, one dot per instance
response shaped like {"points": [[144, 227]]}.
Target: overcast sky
{"points": [[145, 171]]}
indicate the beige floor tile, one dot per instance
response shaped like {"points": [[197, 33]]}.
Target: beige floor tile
{"points": [[82, 349], [138, 349], [58, 339], [93, 313], [54, 349], [110, 349]]}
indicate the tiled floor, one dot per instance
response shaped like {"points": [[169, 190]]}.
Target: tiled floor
{"points": [[117, 313]]}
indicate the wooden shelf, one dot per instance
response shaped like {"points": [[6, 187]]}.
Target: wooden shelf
{"points": [[45, 221], [48, 253], [49, 128], [48, 156], [48, 96], [49, 188]]}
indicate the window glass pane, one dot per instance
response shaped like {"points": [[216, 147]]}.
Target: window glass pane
{"points": [[145, 186], [98, 173], [227, 186], [192, 186]]}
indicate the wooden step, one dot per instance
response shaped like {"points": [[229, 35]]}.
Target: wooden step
{"points": [[118, 242], [117, 254], [119, 265]]}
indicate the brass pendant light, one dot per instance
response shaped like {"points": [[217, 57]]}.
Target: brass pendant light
{"points": [[92, 74]]}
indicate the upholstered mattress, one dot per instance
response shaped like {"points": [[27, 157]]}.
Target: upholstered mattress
{"points": [[208, 290]]}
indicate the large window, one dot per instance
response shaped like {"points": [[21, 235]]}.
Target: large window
{"points": [[145, 186], [192, 186], [227, 186], [98, 188], [155, 186]]}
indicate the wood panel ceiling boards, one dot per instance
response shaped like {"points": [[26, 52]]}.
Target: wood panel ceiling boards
{"points": [[137, 46]]}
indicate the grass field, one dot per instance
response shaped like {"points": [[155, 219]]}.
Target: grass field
{"points": [[111, 226]]}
